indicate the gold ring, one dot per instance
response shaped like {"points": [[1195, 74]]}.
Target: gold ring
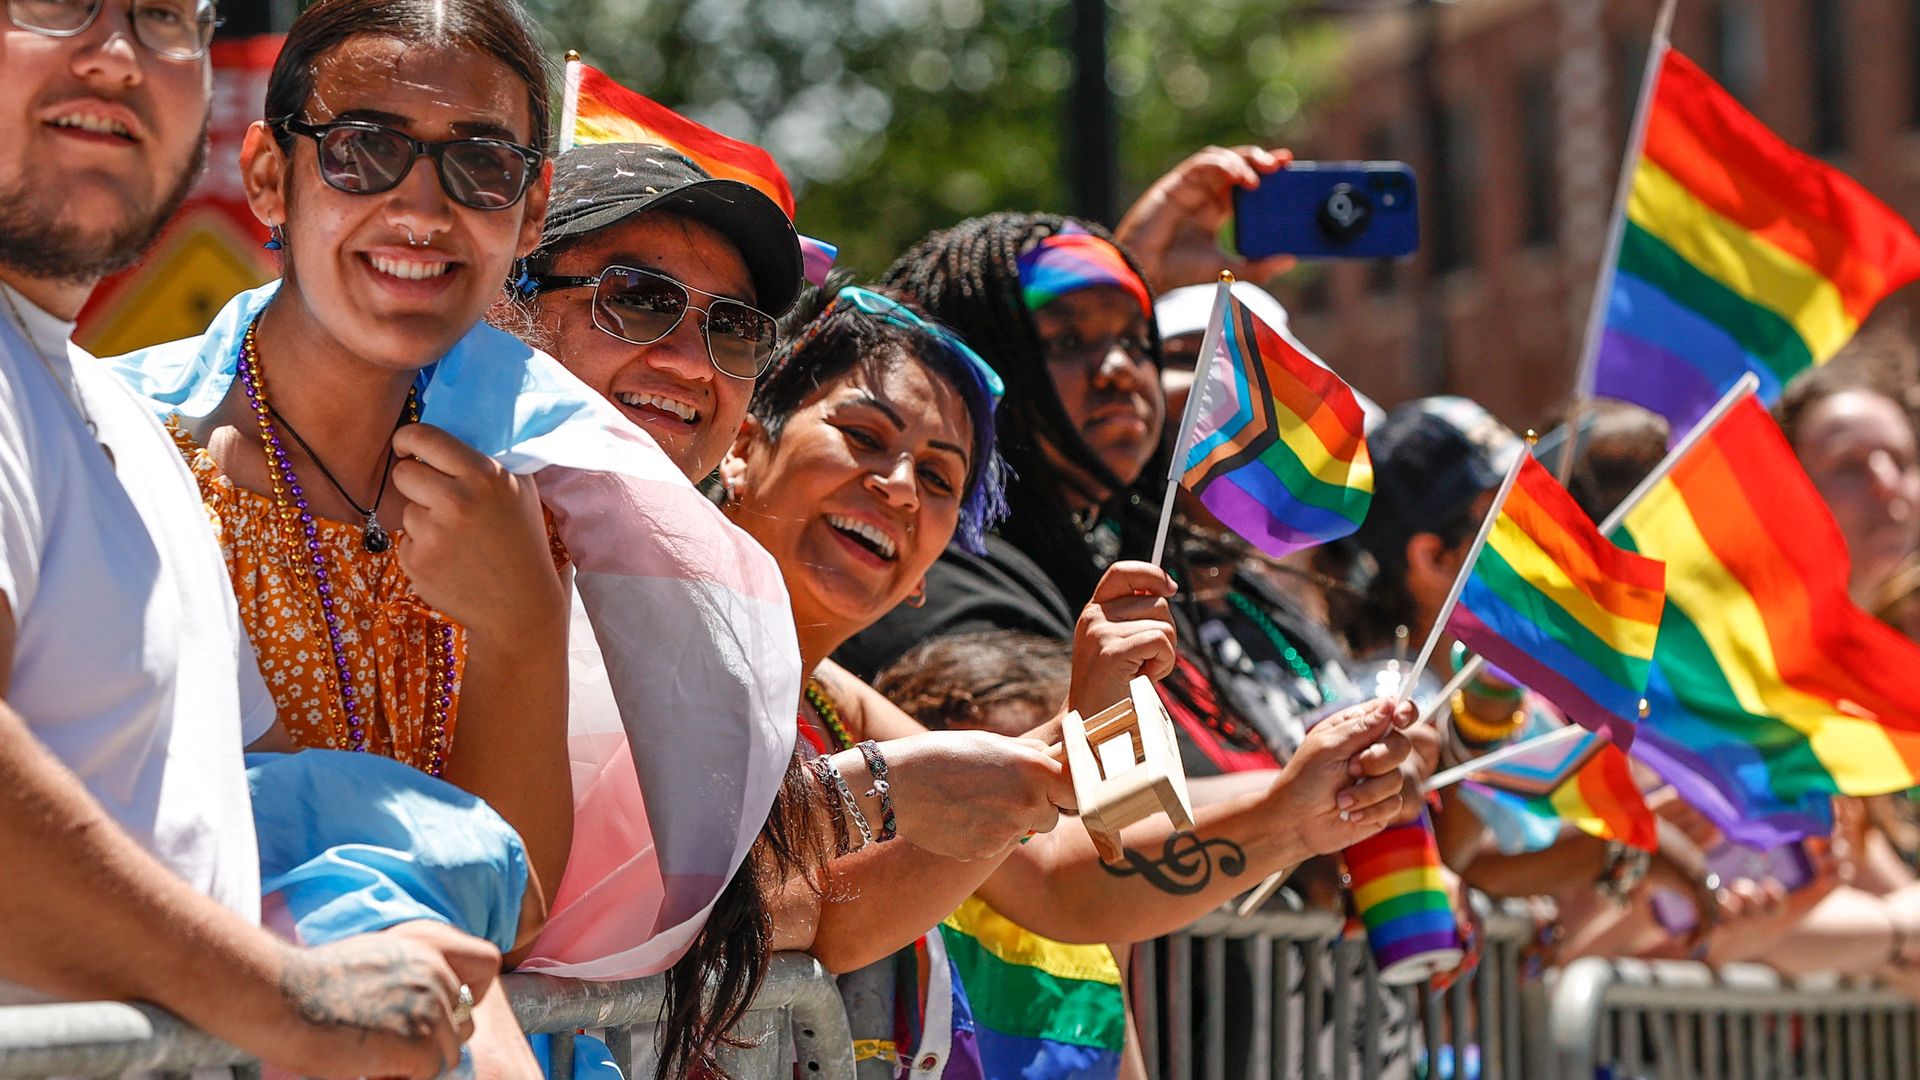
{"points": [[463, 1006]]}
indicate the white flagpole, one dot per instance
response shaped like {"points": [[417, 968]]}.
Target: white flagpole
{"points": [[569, 100], [1412, 677], [1209, 344], [1616, 228], [1740, 390]]}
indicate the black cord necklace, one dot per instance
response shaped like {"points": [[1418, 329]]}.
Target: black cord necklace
{"points": [[373, 537]]}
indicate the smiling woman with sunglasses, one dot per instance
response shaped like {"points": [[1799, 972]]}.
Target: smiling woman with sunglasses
{"points": [[399, 587]]}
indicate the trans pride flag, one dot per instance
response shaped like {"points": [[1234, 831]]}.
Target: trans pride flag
{"points": [[685, 669], [1600, 799], [1738, 253], [1276, 445], [1572, 616], [595, 109]]}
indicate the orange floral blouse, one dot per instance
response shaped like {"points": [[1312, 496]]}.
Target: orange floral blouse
{"points": [[389, 635]]}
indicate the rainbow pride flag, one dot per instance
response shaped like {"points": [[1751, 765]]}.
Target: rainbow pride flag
{"points": [[1570, 615], [1739, 253], [1042, 1010], [1277, 450], [1601, 799], [1770, 690], [596, 109]]}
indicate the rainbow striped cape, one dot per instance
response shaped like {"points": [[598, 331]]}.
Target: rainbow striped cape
{"points": [[1042, 1010], [1600, 799], [1739, 253], [595, 109], [1572, 616], [1278, 451], [1770, 690]]}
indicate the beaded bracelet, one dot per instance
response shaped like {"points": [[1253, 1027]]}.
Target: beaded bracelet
{"points": [[1481, 732], [826, 774], [877, 765]]}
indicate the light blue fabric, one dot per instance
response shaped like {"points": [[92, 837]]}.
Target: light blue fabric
{"points": [[491, 390], [355, 843], [591, 1058]]}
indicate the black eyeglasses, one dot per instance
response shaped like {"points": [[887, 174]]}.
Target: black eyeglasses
{"points": [[175, 29], [642, 306], [361, 158]]}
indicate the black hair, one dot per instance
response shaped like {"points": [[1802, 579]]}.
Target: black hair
{"points": [[840, 337], [710, 989], [496, 28], [958, 680], [968, 277]]}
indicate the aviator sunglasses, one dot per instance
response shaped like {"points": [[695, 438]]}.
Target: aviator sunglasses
{"points": [[175, 29], [643, 306], [362, 158]]}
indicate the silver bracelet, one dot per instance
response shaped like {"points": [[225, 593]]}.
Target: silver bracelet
{"points": [[853, 807]]}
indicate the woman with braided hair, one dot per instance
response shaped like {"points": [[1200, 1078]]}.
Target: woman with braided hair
{"points": [[1064, 313]]}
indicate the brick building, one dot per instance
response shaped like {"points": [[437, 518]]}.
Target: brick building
{"points": [[1527, 102]]}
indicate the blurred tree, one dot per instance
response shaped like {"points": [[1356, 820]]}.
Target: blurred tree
{"points": [[896, 117]]}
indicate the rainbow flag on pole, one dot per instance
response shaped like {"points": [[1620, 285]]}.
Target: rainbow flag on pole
{"points": [[1770, 689], [595, 109], [1738, 253], [1569, 614], [1276, 448]]}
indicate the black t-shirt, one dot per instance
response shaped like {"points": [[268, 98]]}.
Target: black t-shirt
{"points": [[1001, 590]]}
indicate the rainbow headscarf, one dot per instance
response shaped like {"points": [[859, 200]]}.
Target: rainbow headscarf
{"points": [[1074, 259]]}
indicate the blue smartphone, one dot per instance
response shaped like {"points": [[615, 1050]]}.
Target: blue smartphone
{"points": [[1329, 210]]}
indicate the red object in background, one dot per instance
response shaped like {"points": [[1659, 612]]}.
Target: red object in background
{"points": [[211, 249]]}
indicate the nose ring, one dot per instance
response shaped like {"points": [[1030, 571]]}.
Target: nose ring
{"points": [[413, 241]]}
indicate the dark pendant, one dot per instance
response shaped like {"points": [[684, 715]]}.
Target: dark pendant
{"points": [[374, 538]]}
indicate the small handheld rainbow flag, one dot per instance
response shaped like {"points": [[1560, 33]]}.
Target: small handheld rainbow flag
{"points": [[1737, 253], [1770, 690], [1550, 600], [1601, 799], [1273, 442], [595, 109]]}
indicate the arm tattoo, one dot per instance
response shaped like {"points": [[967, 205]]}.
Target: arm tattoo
{"points": [[363, 984], [1185, 865]]}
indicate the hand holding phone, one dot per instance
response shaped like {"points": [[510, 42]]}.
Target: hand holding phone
{"points": [[1329, 210]]}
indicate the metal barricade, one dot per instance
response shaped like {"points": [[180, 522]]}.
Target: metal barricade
{"points": [[1629, 1019], [1281, 995], [796, 1017]]}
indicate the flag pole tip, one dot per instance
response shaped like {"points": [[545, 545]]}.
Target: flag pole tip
{"points": [[1226, 277], [1533, 437], [573, 56]]}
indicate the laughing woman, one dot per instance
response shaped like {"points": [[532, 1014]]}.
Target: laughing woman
{"points": [[870, 446]]}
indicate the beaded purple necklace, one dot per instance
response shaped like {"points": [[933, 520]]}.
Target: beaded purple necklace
{"points": [[300, 525]]}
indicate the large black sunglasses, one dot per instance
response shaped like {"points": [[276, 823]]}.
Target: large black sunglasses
{"points": [[644, 306], [175, 29], [362, 158]]}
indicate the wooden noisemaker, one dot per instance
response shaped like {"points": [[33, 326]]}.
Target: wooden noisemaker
{"points": [[1126, 767]]}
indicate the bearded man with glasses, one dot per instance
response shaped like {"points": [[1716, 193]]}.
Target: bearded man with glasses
{"points": [[659, 286], [127, 688]]}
